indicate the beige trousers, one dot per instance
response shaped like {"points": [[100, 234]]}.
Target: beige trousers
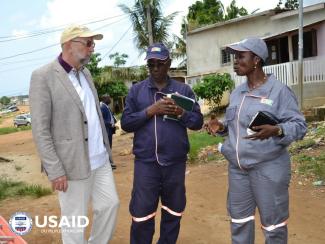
{"points": [[100, 189]]}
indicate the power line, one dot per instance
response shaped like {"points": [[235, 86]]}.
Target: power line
{"points": [[40, 49], [51, 30], [22, 67], [33, 51], [124, 34], [25, 60]]}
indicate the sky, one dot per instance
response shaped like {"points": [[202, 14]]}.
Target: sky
{"points": [[21, 54]]}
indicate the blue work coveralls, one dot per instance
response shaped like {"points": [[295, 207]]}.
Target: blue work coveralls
{"points": [[259, 170], [160, 147]]}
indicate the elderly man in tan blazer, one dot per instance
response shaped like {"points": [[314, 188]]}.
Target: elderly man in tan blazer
{"points": [[71, 138]]}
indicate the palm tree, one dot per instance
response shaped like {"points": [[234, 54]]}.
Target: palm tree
{"points": [[138, 16]]}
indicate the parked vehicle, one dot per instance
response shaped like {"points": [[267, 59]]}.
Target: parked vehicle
{"points": [[13, 108], [23, 119]]}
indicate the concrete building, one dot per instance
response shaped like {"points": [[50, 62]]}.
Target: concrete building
{"points": [[206, 48]]}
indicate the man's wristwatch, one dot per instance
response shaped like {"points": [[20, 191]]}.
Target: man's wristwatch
{"points": [[280, 131]]}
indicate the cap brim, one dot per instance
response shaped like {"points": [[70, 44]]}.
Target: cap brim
{"points": [[94, 35], [156, 56], [236, 48]]}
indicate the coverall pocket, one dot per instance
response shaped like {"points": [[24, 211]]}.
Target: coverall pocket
{"points": [[230, 113]]}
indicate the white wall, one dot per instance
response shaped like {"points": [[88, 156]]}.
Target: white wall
{"points": [[204, 47]]}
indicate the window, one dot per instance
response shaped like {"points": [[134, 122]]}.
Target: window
{"points": [[310, 44], [225, 57]]}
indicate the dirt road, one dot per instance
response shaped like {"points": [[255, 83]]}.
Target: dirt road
{"points": [[205, 220]]}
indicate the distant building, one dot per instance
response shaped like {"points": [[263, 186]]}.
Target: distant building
{"points": [[20, 100]]}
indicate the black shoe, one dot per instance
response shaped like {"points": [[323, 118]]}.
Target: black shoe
{"points": [[113, 166]]}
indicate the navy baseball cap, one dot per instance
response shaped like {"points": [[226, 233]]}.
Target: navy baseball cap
{"points": [[157, 51], [253, 44]]}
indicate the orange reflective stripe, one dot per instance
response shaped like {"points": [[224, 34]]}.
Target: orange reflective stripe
{"points": [[172, 212], [135, 219], [273, 227], [244, 220]]}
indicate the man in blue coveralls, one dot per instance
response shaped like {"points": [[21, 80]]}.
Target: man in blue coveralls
{"points": [[160, 147]]}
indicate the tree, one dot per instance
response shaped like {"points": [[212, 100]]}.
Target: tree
{"points": [[212, 88], [207, 12], [4, 100], [138, 17], [116, 89], [93, 66], [289, 5], [119, 59], [233, 11]]}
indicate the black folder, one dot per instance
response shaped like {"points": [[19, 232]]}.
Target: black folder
{"points": [[263, 118]]}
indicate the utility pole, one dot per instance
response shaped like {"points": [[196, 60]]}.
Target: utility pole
{"points": [[300, 55], [148, 7]]}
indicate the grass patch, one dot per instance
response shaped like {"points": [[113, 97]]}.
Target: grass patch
{"points": [[311, 165], [10, 188], [8, 130], [299, 145], [35, 191], [200, 140]]}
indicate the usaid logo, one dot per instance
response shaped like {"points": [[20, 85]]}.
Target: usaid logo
{"points": [[65, 221], [20, 223]]}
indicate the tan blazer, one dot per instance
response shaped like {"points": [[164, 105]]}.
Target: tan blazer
{"points": [[59, 123]]}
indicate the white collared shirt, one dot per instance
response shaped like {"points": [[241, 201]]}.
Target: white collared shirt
{"points": [[98, 155]]}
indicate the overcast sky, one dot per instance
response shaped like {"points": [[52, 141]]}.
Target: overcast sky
{"points": [[19, 17]]}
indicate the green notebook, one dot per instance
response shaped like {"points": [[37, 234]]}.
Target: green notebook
{"points": [[184, 102]]}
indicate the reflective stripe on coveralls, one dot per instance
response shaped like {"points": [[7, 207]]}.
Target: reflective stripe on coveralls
{"points": [[273, 227], [141, 219], [244, 220], [171, 211]]}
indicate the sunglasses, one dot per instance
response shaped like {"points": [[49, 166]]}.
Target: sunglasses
{"points": [[152, 65], [89, 43]]}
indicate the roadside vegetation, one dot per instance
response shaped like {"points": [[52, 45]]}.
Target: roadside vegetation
{"points": [[308, 155], [10, 188], [8, 130], [200, 140]]}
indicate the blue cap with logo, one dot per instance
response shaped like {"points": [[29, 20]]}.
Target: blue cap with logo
{"points": [[253, 44], [157, 51]]}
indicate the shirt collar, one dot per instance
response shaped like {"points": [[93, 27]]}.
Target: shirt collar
{"points": [[67, 67]]}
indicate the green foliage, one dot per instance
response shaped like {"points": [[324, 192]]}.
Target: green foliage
{"points": [[199, 140], [207, 12], [119, 59], [114, 89], [8, 130], [311, 165], [4, 100], [10, 188], [212, 88], [233, 11], [35, 191], [289, 5], [300, 145], [138, 17], [93, 66]]}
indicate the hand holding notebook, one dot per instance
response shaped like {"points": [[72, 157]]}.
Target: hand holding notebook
{"points": [[261, 118]]}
